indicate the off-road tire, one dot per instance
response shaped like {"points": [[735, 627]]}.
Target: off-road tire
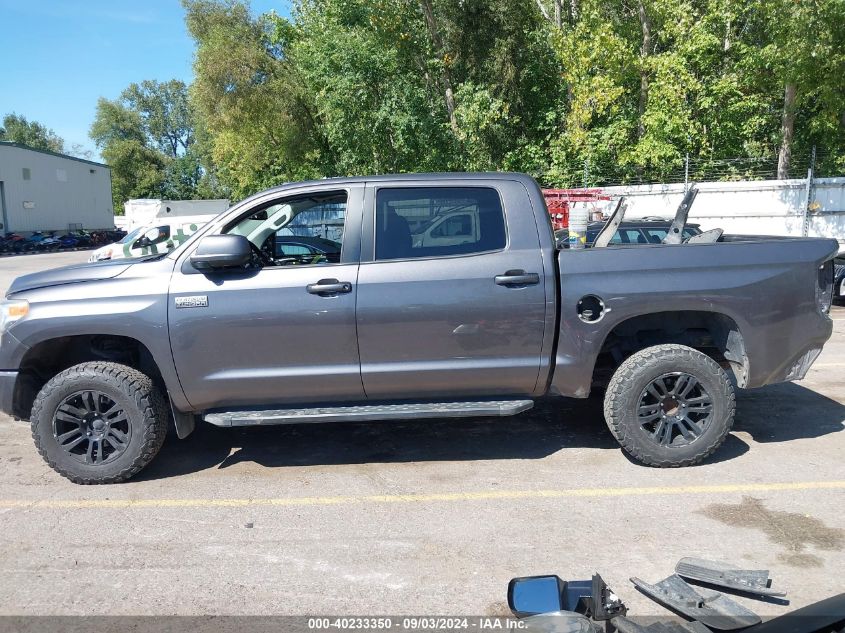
{"points": [[622, 399], [141, 400]]}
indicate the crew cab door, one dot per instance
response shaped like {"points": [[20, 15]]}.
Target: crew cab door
{"points": [[450, 320], [277, 332]]}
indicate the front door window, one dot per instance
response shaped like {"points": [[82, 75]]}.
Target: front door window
{"points": [[296, 231]]}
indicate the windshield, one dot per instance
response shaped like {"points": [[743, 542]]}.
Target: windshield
{"points": [[132, 235]]}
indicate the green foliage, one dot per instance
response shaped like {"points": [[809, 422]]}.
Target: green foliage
{"points": [[147, 137], [714, 73], [625, 89], [250, 99], [17, 129], [366, 78], [164, 112]]}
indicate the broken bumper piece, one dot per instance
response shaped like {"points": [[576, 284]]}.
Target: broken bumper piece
{"points": [[708, 607], [754, 581]]}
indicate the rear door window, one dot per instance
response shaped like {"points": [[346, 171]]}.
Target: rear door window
{"points": [[424, 222]]}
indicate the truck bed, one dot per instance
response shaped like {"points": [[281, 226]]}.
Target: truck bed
{"points": [[750, 289]]}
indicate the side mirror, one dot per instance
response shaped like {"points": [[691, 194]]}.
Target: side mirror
{"points": [[221, 251], [535, 594]]}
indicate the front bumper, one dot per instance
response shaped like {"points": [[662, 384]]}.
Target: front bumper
{"points": [[7, 391]]}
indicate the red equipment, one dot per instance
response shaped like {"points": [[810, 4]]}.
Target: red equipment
{"points": [[558, 201]]}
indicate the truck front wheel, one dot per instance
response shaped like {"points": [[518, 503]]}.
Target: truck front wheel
{"points": [[99, 422], [669, 406]]}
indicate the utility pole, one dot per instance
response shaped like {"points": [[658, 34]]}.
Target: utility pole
{"points": [[686, 173]]}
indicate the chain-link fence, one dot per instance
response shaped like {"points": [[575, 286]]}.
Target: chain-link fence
{"points": [[695, 169]]}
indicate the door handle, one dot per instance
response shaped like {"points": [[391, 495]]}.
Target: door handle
{"points": [[329, 287], [517, 278]]}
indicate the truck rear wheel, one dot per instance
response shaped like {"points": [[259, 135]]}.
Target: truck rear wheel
{"points": [[99, 422], [669, 406]]}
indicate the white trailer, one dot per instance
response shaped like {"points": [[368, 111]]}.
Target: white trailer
{"points": [[144, 212]]}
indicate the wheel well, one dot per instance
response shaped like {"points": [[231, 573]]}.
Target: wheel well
{"points": [[712, 333], [48, 358]]}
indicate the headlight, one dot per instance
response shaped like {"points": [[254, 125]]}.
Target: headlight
{"points": [[100, 255], [11, 311]]}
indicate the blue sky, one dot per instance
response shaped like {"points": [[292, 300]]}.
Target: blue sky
{"points": [[57, 57]]}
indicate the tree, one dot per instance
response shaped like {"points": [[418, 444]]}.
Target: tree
{"points": [[367, 67], [80, 151], [165, 114], [137, 169], [437, 85], [251, 100], [544, 86], [438, 48], [17, 129], [804, 56], [147, 137]]}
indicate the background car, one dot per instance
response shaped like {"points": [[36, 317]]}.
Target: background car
{"points": [[644, 231], [161, 237], [839, 279]]}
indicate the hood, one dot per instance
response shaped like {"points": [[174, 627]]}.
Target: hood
{"points": [[70, 275]]}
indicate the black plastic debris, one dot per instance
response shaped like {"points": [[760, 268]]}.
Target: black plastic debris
{"points": [[604, 604], [710, 608], [754, 581]]}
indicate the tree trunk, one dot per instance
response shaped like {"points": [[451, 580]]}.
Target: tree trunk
{"points": [[645, 51], [445, 75], [557, 17], [542, 8], [787, 129]]}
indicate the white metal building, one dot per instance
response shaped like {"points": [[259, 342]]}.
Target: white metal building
{"points": [[44, 191]]}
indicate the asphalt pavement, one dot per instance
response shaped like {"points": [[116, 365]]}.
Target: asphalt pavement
{"points": [[425, 517]]}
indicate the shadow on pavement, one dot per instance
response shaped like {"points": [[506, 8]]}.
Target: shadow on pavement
{"points": [[772, 414], [787, 411], [550, 426]]}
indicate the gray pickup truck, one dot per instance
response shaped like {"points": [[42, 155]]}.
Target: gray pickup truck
{"points": [[443, 296]]}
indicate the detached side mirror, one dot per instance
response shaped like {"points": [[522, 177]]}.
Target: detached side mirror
{"points": [[535, 594], [221, 251]]}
